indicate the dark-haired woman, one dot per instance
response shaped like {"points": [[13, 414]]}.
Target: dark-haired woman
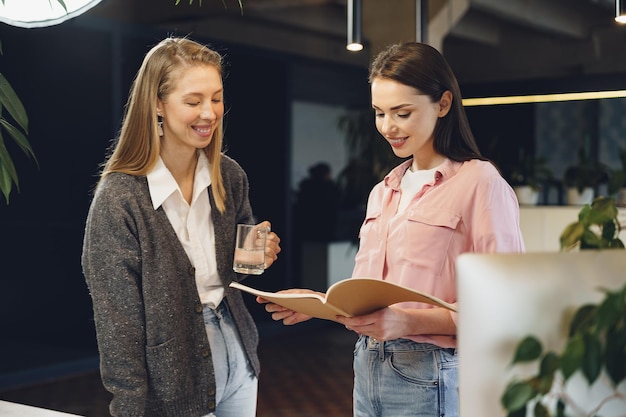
{"points": [[445, 200]]}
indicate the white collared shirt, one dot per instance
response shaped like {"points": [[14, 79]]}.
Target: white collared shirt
{"points": [[192, 223]]}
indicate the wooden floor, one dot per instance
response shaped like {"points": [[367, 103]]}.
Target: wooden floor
{"points": [[306, 371]]}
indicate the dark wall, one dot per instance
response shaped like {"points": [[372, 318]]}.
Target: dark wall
{"points": [[501, 131], [73, 81], [62, 79]]}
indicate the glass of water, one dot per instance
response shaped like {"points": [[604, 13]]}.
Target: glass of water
{"points": [[250, 249]]}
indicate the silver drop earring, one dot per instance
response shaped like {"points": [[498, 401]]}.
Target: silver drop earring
{"points": [[160, 125]]}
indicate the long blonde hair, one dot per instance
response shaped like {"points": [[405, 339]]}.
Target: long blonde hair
{"points": [[138, 145]]}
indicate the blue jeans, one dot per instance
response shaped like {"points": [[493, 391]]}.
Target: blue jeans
{"points": [[402, 378], [236, 394]]}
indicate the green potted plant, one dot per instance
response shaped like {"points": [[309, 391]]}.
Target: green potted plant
{"points": [[528, 177], [617, 180], [596, 342], [596, 348], [597, 227], [582, 178]]}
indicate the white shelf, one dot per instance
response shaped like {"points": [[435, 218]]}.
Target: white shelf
{"points": [[542, 225], [8, 409]]}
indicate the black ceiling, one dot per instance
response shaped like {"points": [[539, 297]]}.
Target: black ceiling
{"points": [[484, 40]]}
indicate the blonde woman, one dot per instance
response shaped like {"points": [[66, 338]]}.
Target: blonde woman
{"points": [[174, 339]]}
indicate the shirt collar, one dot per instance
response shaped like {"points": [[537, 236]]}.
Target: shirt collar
{"points": [[162, 184], [447, 169], [203, 174]]}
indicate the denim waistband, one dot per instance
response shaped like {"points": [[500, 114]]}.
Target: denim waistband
{"points": [[400, 345], [219, 312]]}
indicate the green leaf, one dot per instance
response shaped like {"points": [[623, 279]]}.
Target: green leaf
{"points": [[571, 235], [543, 384], [583, 215], [5, 182], [583, 319], [611, 310], [608, 230], [572, 357], [540, 410], [8, 175], [19, 138], [528, 349], [616, 244], [5, 159], [613, 318], [548, 367], [600, 213], [12, 103], [517, 395], [615, 354], [592, 358], [549, 364], [604, 209], [589, 240]]}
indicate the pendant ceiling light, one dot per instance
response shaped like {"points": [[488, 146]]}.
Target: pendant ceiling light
{"points": [[40, 13], [354, 26], [620, 11]]}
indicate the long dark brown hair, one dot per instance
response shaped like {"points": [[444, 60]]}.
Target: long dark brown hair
{"points": [[422, 67]]}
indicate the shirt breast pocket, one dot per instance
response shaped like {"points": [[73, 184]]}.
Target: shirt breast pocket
{"points": [[428, 234], [370, 225]]}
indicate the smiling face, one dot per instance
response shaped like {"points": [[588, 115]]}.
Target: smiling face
{"points": [[407, 119], [193, 109]]}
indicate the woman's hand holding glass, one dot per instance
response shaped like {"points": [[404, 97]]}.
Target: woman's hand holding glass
{"points": [[272, 245]]}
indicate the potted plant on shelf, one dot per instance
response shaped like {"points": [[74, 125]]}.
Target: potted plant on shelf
{"points": [[617, 180], [582, 179], [598, 227], [529, 176], [596, 342]]}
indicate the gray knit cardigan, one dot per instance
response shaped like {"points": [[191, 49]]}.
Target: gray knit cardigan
{"points": [[155, 356]]}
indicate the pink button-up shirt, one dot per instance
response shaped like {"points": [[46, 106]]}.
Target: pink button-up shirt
{"points": [[468, 207]]}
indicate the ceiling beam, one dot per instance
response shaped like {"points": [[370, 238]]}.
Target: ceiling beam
{"points": [[478, 28], [548, 16]]}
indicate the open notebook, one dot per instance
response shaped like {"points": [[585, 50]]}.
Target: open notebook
{"points": [[504, 297]]}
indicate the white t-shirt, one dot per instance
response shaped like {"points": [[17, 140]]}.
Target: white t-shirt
{"points": [[412, 182]]}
